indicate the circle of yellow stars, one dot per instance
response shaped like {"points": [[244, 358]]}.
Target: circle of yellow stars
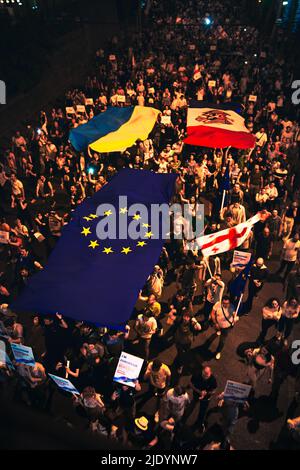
{"points": [[108, 249]]}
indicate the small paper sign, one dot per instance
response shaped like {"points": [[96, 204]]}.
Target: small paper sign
{"points": [[80, 108], [23, 354], [212, 83], [70, 110], [151, 90], [89, 102], [4, 358], [128, 369], [237, 392], [240, 259], [121, 98], [39, 236], [64, 384], [252, 98], [4, 237]]}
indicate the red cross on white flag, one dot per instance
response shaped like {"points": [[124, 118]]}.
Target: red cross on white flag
{"points": [[230, 238]]}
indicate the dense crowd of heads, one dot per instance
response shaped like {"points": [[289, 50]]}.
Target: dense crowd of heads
{"points": [[43, 179]]}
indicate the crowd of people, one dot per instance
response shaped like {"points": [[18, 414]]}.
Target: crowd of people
{"points": [[42, 179]]}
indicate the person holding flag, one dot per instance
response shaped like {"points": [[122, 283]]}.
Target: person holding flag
{"points": [[225, 187], [237, 287], [214, 292]]}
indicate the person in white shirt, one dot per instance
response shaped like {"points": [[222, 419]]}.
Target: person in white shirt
{"points": [[261, 137], [175, 402], [238, 213], [272, 193], [141, 99], [271, 314], [103, 99], [17, 187], [224, 318], [261, 199], [290, 255], [290, 313], [214, 293], [145, 327]]}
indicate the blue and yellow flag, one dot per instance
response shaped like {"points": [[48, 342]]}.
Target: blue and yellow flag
{"points": [[97, 280], [115, 130]]}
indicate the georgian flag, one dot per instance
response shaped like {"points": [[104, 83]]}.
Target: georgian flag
{"points": [[230, 238], [217, 126]]}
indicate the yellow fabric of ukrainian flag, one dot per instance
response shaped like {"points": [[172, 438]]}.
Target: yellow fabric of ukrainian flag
{"points": [[115, 130], [138, 126]]}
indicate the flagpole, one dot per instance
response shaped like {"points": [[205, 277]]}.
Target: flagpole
{"points": [[239, 304], [67, 366], [208, 267], [223, 199]]}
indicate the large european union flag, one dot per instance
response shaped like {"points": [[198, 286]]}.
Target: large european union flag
{"points": [[94, 280]]}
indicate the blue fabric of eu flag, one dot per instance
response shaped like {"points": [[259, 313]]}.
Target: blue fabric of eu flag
{"points": [[98, 281]]}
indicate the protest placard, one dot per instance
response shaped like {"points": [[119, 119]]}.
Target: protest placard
{"points": [[211, 83], [80, 108], [23, 354], [236, 391], [64, 384], [252, 98], [4, 358], [4, 237], [121, 98], [240, 259], [128, 369], [70, 110]]}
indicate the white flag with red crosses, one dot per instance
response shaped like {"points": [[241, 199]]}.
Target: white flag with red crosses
{"points": [[230, 238]]}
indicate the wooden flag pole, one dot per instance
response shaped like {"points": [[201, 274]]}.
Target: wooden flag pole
{"points": [[208, 267], [223, 199], [239, 304]]}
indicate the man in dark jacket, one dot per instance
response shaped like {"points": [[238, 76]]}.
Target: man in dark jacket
{"points": [[258, 275]]}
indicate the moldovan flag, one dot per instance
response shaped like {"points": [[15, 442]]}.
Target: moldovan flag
{"points": [[230, 238], [115, 130], [219, 126]]}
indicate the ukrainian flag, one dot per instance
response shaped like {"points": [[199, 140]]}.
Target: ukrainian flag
{"points": [[115, 130]]}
